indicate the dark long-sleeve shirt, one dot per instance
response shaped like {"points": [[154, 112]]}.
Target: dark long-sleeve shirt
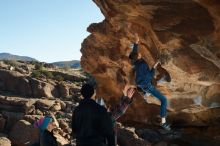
{"points": [[47, 139], [92, 124]]}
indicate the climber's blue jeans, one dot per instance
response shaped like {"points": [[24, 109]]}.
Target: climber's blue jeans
{"points": [[149, 88]]}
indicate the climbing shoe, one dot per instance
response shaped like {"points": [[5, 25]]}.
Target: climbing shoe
{"points": [[166, 126]]}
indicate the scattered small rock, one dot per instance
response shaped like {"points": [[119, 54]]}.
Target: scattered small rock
{"points": [[4, 141]]}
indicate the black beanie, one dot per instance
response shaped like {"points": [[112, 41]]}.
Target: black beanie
{"points": [[87, 91]]}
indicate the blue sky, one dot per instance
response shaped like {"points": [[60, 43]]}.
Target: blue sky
{"points": [[48, 30]]}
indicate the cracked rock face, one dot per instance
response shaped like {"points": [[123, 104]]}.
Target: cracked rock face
{"points": [[185, 35]]}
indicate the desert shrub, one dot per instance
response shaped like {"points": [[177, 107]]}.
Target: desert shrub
{"points": [[36, 74], [59, 78], [66, 68], [32, 62], [38, 66], [10, 62], [47, 74], [39, 73]]}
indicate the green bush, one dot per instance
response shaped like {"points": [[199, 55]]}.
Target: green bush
{"points": [[59, 78], [38, 66], [10, 62], [47, 74], [36, 74], [33, 62], [66, 68]]}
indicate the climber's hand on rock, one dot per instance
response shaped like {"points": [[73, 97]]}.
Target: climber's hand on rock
{"points": [[125, 90], [130, 92], [136, 38]]}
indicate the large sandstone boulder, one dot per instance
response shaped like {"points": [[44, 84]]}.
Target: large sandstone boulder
{"points": [[212, 96], [196, 116], [16, 104], [56, 107], [14, 82], [24, 134], [184, 34], [63, 90], [156, 136], [20, 84], [12, 118], [52, 105], [43, 89], [44, 104], [147, 115], [63, 105], [128, 137]]}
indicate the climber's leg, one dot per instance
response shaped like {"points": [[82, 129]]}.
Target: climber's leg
{"points": [[163, 106], [161, 97], [144, 91]]}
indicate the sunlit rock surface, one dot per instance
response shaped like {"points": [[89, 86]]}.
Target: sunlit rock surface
{"points": [[185, 35]]}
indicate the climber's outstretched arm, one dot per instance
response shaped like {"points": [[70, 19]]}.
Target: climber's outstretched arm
{"points": [[154, 68], [134, 49], [125, 101], [136, 38]]}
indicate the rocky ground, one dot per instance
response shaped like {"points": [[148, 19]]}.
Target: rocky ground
{"points": [[24, 98], [183, 33]]}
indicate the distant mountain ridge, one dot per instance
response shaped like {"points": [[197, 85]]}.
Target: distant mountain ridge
{"points": [[8, 56], [70, 64]]}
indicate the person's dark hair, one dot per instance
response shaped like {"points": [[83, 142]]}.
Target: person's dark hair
{"points": [[92, 82], [87, 90]]}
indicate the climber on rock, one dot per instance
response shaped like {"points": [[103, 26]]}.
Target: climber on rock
{"points": [[144, 77]]}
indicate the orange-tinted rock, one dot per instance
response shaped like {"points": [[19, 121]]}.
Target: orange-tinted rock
{"points": [[128, 137], [185, 34], [196, 116], [63, 90], [43, 89], [15, 82]]}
